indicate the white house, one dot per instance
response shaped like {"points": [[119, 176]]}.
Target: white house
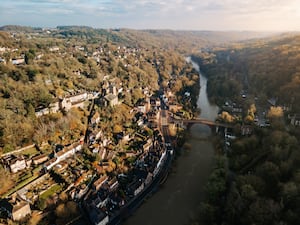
{"points": [[64, 154], [295, 119], [18, 61], [17, 164]]}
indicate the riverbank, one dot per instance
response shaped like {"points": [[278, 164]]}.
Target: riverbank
{"points": [[177, 201]]}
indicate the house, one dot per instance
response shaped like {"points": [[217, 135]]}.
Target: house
{"points": [[77, 100], [68, 151], [111, 100], [111, 155], [63, 154], [157, 102], [237, 110], [54, 49], [81, 179], [42, 112], [4, 49], [159, 163], [54, 107], [153, 116], [49, 164], [113, 184], [126, 138], [140, 122], [105, 141], [77, 72], [2, 60], [20, 210], [146, 91], [129, 154], [14, 208], [111, 89], [98, 134], [143, 106], [97, 216], [17, 164], [148, 178], [39, 56], [95, 149], [295, 119], [79, 104], [229, 136], [98, 199], [135, 187], [170, 94], [65, 104], [102, 153], [83, 189], [95, 119], [272, 101], [246, 130], [147, 145], [40, 159], [18, 61], [101, 200], [98, 183]]}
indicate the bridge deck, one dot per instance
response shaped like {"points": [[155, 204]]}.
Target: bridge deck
{"points": [[204, 121]]}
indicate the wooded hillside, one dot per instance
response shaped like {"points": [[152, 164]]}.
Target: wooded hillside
{"points": [[267, 68], [257, 181]]}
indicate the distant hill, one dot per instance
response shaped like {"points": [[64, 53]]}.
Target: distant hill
{"points": [[187, 41], [268, 67], [16, 28], [184, 41]]}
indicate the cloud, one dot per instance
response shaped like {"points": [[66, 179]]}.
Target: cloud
{"points": [[174, 14]]}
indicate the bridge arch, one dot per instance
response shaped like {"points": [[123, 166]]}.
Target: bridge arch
{"points": [[215, 126]]}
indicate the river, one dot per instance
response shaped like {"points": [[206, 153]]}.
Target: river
{"points": [[177, 201]]}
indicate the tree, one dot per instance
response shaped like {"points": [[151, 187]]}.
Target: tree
{"points": [[226, 117], [6, 181], [275, 112], [117, 128], [65, 212], [290, 193], [29, 56], [208, 213], [271, 174], [263, 212]]}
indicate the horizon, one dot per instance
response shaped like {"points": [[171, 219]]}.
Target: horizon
{"points": [[182, 15], [150, 29]]}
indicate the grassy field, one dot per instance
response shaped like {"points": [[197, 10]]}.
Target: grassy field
{"points": [[30, 151], [20, 185], [51, 191]]}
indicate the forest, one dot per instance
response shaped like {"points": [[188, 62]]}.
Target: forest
{"points": [[258, 180], [264, 68]]}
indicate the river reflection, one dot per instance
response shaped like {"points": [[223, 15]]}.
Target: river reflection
{"points": [[177, 201]]}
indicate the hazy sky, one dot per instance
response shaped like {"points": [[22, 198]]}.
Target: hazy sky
{"points": [[163, 14]]}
